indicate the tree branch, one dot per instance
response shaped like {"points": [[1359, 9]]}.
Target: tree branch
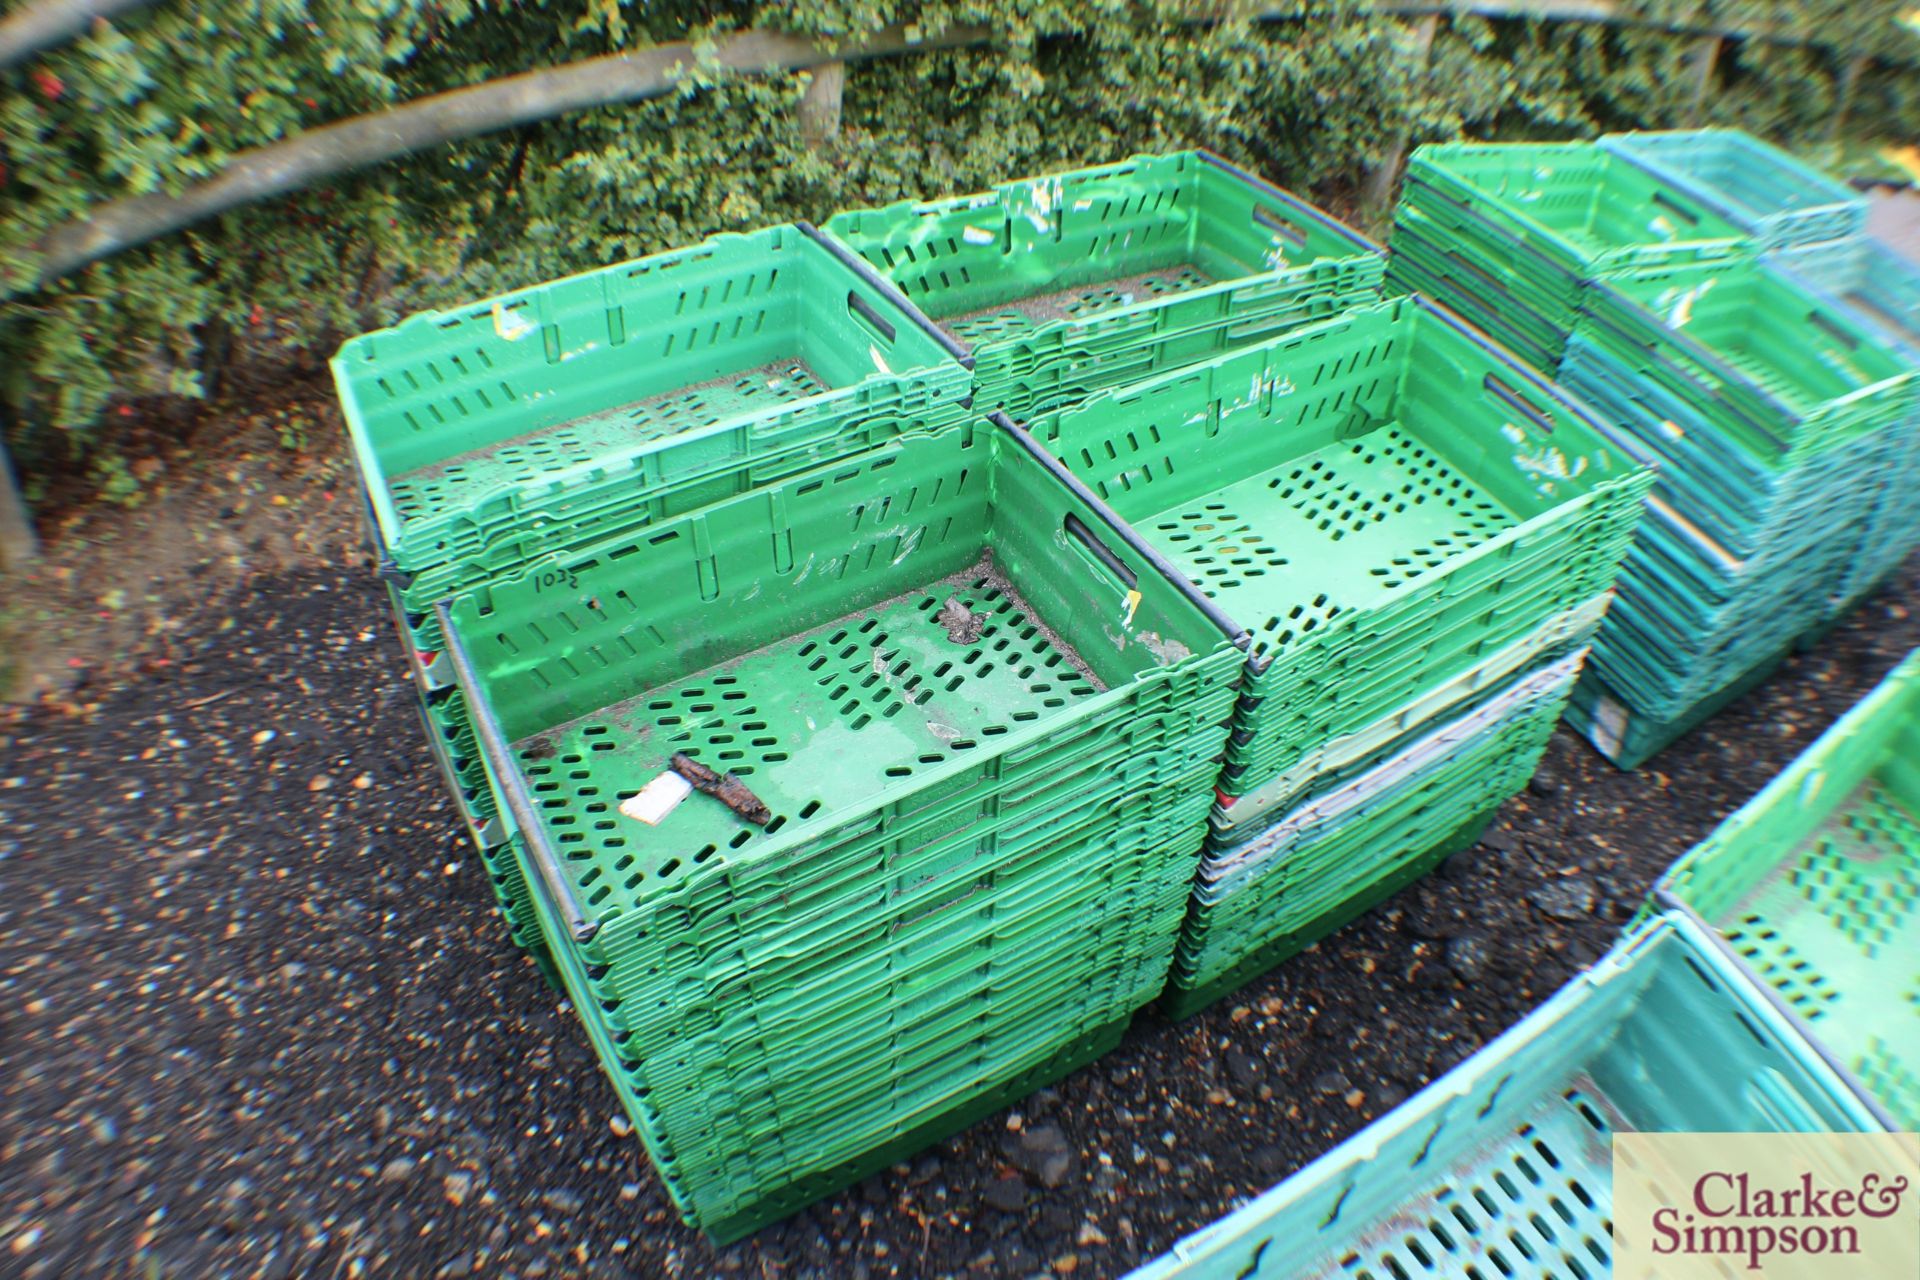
{"points": [[334, 149], [51, 22]]}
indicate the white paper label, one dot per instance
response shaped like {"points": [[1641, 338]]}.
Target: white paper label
{"points": [[657, 799]]}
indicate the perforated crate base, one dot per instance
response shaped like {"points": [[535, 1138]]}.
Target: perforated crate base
{"points": [[1533, 1201], [1291, 549], [1828, 930], [1021, 316], [817, 722], [524, 459]]}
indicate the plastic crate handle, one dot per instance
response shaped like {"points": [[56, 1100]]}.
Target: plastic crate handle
{"points": [[552, 878], [1671, 205], [1286, 199], [887, 290], [1287, 231], [1825, 323]]}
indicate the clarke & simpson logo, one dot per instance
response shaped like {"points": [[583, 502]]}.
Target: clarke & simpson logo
{"points": [[1767, 1206]]}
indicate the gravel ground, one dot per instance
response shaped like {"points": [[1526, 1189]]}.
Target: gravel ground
{"points": [[256, 1017]]}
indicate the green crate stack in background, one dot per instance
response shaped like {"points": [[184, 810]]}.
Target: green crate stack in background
{"points": [[1420, 535], [985, 723], [1061, 285], [491, 434], [1503, 1166], [1645, 274], [1814, 228], [1815, 882], [1805, 221], [1514, 235]]}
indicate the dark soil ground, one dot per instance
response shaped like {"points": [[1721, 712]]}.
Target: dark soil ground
{"points": [[256, 1016]]}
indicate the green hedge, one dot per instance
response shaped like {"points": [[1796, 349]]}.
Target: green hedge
{"points": [[1312, 97]]}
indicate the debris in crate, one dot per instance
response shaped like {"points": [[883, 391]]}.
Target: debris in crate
{"points": [[725, 788], [963, 625]]}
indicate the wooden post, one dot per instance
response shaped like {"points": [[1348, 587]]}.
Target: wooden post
{"points": [[18, 545], [820, 106], [1378, 192], [1706, 61], [1849, 85]]}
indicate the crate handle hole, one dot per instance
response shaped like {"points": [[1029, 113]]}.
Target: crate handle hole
{"points": [[1674, 207], [862, 310], [1287, 231], [1821, 322]]}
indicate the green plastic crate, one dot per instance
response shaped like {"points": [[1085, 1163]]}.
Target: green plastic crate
{"points": [[489, 435], [1369, 496], [1593, 213], [1780, 372], [1503, 1166], [1061, 285], [980, 851], [1515, 234], [1816, 883]]}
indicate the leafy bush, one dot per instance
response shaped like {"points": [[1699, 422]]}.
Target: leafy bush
{"points": [[1312, 93]]}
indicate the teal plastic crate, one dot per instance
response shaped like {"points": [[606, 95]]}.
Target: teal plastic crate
{"points": [[980, 846], [1781, 201], [1062, 285], [1502, 1167], [1815, 882]]}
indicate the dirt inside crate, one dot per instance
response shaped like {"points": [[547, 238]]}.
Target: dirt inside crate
{"points": [[818, 721], [523, 458], [1007, 319]]}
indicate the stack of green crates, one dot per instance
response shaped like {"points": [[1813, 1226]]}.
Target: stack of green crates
{"points": [[592, 406], [1062, 285], [1814, 228], [1777, 420], [1419, 533], [1503, 1167], [1816, 884], [1803, 220], [1514, 235], [984, 722]]}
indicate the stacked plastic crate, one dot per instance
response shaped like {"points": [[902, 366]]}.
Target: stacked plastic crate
{"points": [[1778, 421], [965, 728], [1503, 1167], [1420, 534], [1060, 286], [1815, 229], [1816, 884], [488, 435], [1783, 427], [1515, 236]]}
